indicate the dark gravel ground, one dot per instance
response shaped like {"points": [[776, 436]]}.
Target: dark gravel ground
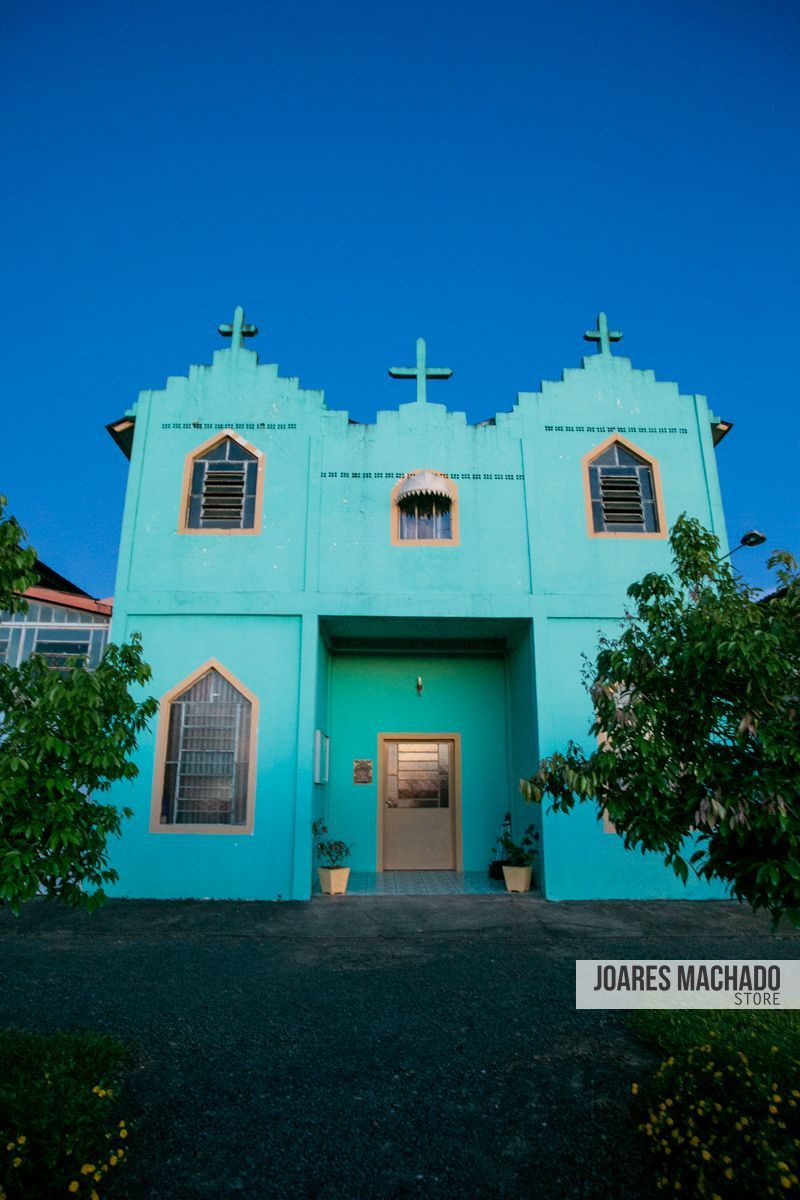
{"points": [[358, 1048]]}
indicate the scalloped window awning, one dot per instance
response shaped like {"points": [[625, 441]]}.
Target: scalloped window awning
{"points": [[425, 483]]}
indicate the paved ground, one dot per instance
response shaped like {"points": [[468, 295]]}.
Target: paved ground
{"points": [[356, 1049]]}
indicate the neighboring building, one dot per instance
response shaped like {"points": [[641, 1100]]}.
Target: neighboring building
{"points": [[384, 623], [63, 624]]}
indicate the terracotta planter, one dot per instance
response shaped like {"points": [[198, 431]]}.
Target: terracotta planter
{"points": [[333, 880], [518, 879]]}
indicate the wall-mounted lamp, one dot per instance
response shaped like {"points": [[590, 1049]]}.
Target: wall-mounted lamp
{"points": [[419, 685]]}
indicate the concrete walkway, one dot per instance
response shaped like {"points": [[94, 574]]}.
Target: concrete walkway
{"points": [[356, 1048]]}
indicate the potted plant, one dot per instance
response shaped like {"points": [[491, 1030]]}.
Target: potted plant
{"points": [[333, 875], [518, 859]]}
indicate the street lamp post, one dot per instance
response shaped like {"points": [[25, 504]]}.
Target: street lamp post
{"points": [[752, 538]]}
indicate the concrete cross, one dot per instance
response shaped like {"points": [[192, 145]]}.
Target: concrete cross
{"points": [[602, 335], [238, 330], [420, 372]]}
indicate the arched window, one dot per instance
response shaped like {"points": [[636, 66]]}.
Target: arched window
{"points": [[223, 485], [623, 490], [205, 762], [425, 509]]}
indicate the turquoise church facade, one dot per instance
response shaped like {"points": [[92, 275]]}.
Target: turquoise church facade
{"points": [[382, 625]]}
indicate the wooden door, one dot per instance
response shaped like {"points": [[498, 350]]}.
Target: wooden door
{"points": [[418, 804]]}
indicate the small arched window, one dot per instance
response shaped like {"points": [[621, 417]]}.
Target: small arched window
{"points": [[425, 509], [206, 756], [623, 490], [223, 486]]}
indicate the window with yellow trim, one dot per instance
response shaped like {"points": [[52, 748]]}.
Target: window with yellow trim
{"points": [[425, 509], [206, 777], [622, 491], [222, 488]]}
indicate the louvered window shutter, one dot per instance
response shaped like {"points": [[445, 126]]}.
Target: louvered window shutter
{"points": [[622, 492], [223, 488]]}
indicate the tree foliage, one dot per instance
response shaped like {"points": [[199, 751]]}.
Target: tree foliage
{"points": [[65, 737], [697, 706]]}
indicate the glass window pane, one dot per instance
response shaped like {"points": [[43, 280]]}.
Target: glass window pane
{"points": [[408, 524], [208, 753], [625, 457]]}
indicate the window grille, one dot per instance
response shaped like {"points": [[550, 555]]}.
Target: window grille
{"points": [[622, 492], [223, 488], [208, 755]]}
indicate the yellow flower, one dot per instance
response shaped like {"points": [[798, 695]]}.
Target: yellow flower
{"points": [[772, 1108], [87, 1169], [706, 1155], [21, 1140], [776, 1098], [113, 1160], [774, 1049], [787, 1183], [729, 1173], [94, 1195], [9, 1146], [122, 1125], [123, 1133], [97, 1176], [634, 1088], [16, 1161], [73, 1187]]}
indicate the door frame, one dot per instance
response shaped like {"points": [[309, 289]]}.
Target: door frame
{"points": [[455, 790]]}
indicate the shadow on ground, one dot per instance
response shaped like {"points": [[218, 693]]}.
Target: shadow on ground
{"points": [[351, 1048]]}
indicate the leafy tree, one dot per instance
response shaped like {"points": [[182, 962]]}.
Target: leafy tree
{"points": [[65, 737], [697, 706]]}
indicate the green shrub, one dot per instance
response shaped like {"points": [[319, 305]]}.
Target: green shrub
{"points": [[60, 1129], [721, 1115]]}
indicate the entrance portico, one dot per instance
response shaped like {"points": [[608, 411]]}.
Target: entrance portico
{"points": [[423, 759]]}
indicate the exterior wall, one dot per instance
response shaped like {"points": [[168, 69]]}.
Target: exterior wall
{"points": [[263, 653], [582, 860], [324, 560]]}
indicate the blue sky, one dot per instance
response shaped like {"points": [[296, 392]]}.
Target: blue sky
{"points": [[357, 175]]}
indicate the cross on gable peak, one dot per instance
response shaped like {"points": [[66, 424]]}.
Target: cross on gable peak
{"points": [[421, 372], [237, 331], [602, 335]]}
